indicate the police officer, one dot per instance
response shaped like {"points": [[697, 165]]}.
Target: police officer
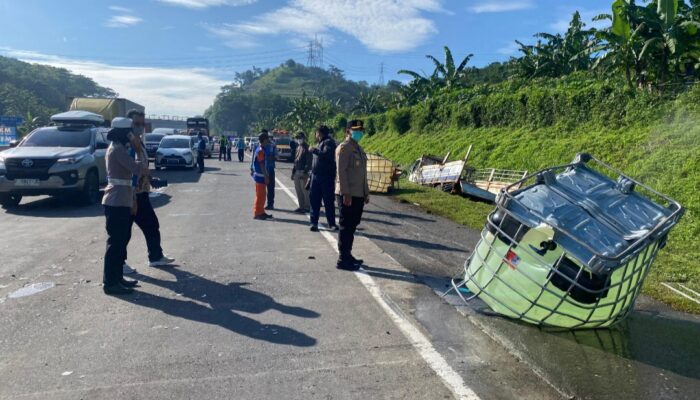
{"points": [[271, 155], [201, 147], [322, 182], [118, 202], [223, 143], [352, 192]]}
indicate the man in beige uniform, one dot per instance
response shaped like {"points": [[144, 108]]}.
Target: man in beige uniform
{"points": [[352, 192]]}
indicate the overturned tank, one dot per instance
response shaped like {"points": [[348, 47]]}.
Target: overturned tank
{"points": [[572, 248]]}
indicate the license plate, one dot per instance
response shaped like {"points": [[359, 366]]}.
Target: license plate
{"points": [[173, 161], [26, 182]]}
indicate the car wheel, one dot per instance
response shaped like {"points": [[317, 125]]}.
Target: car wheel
{"points": [[91, 190], [10, 200]]}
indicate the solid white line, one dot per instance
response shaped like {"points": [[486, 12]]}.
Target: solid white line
{"points": [[449, 376], [681, 293], [687, 289]]}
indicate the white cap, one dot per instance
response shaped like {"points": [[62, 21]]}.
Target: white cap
{"points": [[122, 123]]}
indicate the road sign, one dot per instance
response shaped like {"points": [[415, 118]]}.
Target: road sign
{"points": [[8, 129]]}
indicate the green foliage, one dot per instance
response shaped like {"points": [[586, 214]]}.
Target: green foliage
{"points": [[40, 90], [399, 120]]}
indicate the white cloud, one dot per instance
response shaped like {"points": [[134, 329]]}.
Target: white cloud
{"points": [[200, 4], [120, 9], [501, 6], [123, 21], [510, 50], [170, 91], [380, 25]]}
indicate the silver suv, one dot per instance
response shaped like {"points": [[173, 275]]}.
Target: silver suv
{"points": [[68, 159]]}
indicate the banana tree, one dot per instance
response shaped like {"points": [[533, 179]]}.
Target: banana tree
{"points": [[447, 74]]}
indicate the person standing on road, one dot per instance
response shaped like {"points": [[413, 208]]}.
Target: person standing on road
{"points": [[118, 202], [271, 155], [222, 147], [201, 149], [259, 172], [300, 173], [323, 172], [146, 218], [240, 145], [229, 144], [352, 191]]}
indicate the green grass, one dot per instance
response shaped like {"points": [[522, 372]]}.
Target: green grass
{"points": [[665, 155]]}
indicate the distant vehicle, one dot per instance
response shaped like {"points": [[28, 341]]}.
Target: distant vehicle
{"points": [[254, 142], [176, 151], [108, 108], [66, 159], [197, 124], [152, 141], [284, 148], [166, 131]]}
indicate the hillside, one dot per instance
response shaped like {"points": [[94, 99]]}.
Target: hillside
{"points": [[264, 98], [545, 123], [40, 90]]}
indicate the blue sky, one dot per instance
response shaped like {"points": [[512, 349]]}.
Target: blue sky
{"points": [[173, 55]]}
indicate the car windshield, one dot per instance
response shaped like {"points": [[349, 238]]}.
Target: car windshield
{"points": [[283, 141], [154, 137], [59, 137], [169, 143]]}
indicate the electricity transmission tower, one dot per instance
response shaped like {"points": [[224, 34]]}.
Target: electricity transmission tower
{"points": [[315, 57]]}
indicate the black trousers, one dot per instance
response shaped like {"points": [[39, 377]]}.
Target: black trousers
{"points": [[147, 220], [228, 154], [271, 189], [350, 217], [200, 161], [118, 224], [322, 189], [241, 154], [222, 152]]}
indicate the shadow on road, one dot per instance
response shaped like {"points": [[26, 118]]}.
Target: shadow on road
{"points": [[398, 215], [216, 303], [412, 242]]}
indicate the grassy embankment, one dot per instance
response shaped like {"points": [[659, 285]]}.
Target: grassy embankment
{"points": [[657, 142]]}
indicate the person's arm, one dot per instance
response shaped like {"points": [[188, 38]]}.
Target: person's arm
{"points": [[343, 160], [309, 161], [262, 160], [124, 159]]}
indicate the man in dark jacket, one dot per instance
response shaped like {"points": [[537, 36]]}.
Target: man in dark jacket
{"points": [[300, 173], [201, 148], [323, 172]]}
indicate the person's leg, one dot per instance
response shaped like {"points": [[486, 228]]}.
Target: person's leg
{"points": [[349, 220], [315, 196], [305, 191], [240, 155], [329, 200], [147, 221], [271, 190], [259, 206], [299, 188], [200, 161], [118, 226]]}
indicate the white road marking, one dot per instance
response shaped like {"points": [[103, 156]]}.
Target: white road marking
{"points": [[681, 293], [449, 376]]}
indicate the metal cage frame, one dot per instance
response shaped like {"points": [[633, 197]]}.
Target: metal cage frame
{"points": [[629, 267]]}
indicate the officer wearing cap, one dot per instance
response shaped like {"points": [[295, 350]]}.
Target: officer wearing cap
{"points": [[118, 202], [352, 192]]}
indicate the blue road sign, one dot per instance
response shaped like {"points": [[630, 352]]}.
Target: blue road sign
{"points": [[8, 129]]}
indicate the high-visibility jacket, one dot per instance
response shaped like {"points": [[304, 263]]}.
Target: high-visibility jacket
{"points": [[258, 165]]}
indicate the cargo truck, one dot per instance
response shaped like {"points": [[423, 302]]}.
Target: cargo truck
{"points": [[108, 108]]}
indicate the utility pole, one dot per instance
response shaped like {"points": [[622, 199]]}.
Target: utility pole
{"points": [[311, 60], [381, 74]]}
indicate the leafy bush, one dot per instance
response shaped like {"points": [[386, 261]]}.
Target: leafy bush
{"points": [[400, 120]]}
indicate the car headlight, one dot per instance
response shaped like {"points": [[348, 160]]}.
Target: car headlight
{"points": [[70, 160]]}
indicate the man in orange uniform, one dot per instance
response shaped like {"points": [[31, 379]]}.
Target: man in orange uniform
{"points": [[258, 171]]}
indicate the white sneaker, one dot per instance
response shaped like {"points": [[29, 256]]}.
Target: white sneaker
{"points": [[165, 260], [127, 269]]}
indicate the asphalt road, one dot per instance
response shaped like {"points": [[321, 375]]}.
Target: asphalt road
{"points": [[253, 310]]}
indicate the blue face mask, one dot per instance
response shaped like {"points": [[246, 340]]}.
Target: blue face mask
{"points": [[357, 135]]}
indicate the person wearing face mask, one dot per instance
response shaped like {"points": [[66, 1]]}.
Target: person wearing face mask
{"points": [[300, 173], [146, 218], [352, 192], [118, 202]]}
